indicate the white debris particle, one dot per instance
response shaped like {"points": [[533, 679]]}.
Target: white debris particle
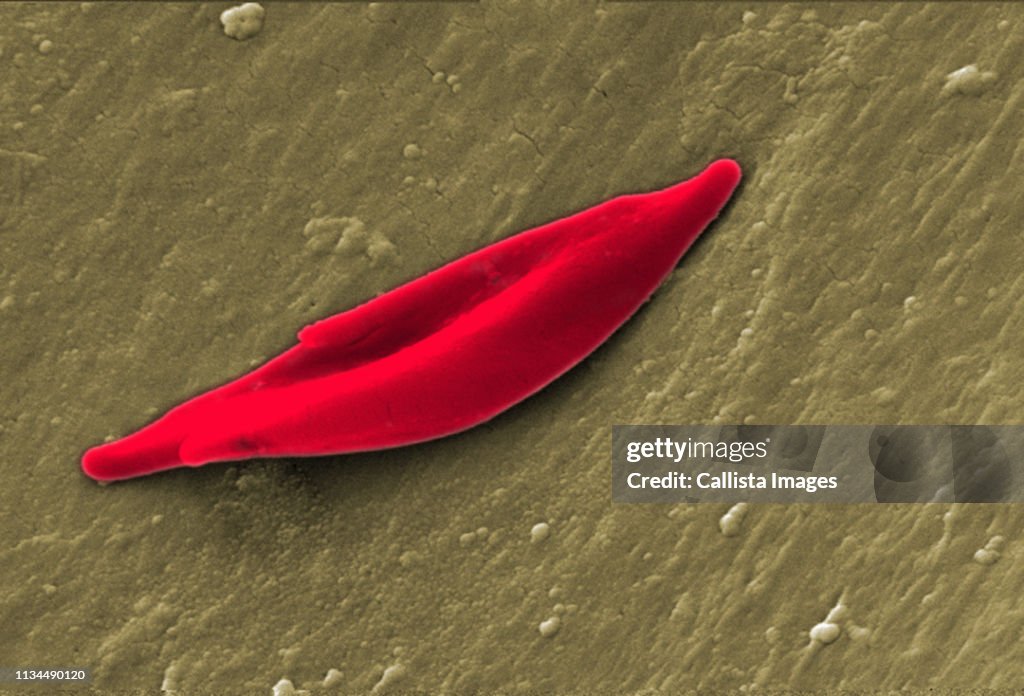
{"points": [[884, 395], [991, 553], [731, 521], [540, 532], [391, 676], [995, 543], [244, 21], [348, 236], [836, 613], [333, 679], [284, 688], [549, 627], [170, 682], [969, 81], [826, 632], [858, 632], [986, 556]]}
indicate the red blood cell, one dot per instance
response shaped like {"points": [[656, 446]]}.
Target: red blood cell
{"points": [[444, 352]]}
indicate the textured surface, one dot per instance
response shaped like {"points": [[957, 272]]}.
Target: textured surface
{"points": [[174, 204]]}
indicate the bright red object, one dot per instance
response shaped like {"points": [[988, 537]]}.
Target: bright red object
{"points": [[444, 352]]}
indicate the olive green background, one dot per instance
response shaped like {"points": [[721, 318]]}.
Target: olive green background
{"points": [[157, 186]]}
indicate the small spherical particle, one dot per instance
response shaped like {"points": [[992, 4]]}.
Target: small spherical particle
{"points": [[393, 674], [284, 688], [243, 22], [825, 632], [412, 151], [540, 532], [45, 46], [986, 557], [996, 543], [333, 679], [969, 81], [837, 613], [549, 627], [858, 632], [731, 521], [730, 525]]}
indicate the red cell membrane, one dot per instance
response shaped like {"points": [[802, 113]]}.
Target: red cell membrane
{"points": [[444, 352]]}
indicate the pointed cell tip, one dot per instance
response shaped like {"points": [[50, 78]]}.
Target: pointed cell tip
{"points": [[134, 455], [727, 171], [715, 184], [96, 466], [704, 195]]}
